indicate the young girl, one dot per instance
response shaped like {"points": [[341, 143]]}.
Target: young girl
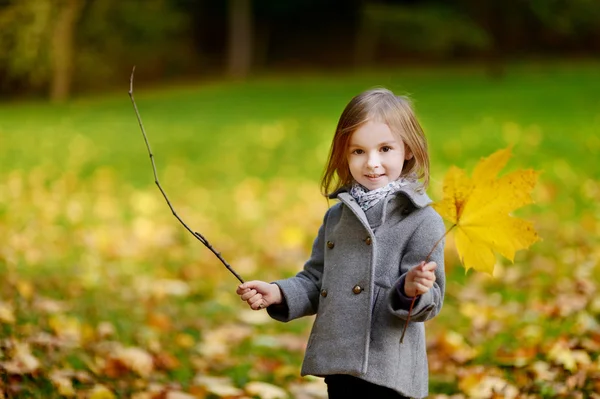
{"points": [[367, 262]]}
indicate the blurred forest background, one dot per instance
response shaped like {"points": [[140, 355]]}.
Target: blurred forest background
{"points": [[104, 295], [56, 47]]}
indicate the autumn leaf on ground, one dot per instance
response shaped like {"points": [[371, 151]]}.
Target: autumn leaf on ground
{"points": [[479, 209]]}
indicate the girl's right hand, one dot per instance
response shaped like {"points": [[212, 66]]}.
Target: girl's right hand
{"points": [[259, 294]]}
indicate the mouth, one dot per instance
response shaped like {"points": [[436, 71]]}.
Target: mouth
{"points": [[374, 176]]}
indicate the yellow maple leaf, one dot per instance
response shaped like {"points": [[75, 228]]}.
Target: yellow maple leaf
{"points": [[479, 209]]}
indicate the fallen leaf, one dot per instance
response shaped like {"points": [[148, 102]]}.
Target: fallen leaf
{"points": [[22, 361], [48, 305], [253, 317], [220, 386], [316, 389], [101, 392], [132, 358], [561, 354], [67, 328], [62, 383], [265, 391], [7, 313], [217, 343], [185, 340], [179, 395], [487, 386]]}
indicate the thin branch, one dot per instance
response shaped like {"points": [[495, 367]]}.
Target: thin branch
{"points": [[199, 236], [412, 303]]}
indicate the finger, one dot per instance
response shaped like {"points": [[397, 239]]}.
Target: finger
{"points": [[254, 284], [240, 290], [255, 300], [257, 305], [429, 267], [423, 282], [422, 289], [249, 294], [426, 276]]}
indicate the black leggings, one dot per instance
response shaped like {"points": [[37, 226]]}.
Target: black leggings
{"points": [[340, 386]]}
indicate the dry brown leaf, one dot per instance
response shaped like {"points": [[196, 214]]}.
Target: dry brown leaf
{"points": [[265, 391], [220, 386], [50, 306], [487, 386], [179, 395], [253, 317], [160, 321], [22, 360], [105, 330], [455, 346], [62, 383], [132, 358], [217, 343], [315, 389], [560, 353]]}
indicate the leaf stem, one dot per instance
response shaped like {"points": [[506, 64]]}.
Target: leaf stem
{"points": [[412, 303]]}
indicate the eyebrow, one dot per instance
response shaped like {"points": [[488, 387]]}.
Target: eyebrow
{"points": [[351, 145]]}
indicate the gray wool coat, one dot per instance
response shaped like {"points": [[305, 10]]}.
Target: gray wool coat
{"points": [[351, 281]]}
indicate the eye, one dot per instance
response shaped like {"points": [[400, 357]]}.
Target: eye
{"points": [[386, 148], [357, 151]]}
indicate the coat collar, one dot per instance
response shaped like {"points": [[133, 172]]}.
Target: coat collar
{"points": [[413, 191]]}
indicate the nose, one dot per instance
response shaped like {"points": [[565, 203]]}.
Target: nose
{"points": [[373, 161]]}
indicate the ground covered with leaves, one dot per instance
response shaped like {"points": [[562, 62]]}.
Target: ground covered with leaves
{"points": [[103, 294]]}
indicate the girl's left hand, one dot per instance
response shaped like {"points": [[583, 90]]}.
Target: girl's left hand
{"points": [[420, 279]]}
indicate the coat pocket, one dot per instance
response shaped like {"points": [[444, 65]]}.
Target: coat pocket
{"points": [[379, 298]]}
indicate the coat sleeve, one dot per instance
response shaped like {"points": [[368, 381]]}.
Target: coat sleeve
{"points": [[301, 292], [422, 241]]}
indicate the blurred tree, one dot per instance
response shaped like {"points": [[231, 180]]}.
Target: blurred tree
{"points": [[56, 46], [114, 35], [431, 30], [39, 38], [573, 23], [25, 28], [499, 19], [37, 43], [63, 43], [241, 35]]}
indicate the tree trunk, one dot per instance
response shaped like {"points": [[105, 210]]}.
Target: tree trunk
{"points": [[366, 40], [63, 49], [240, 38]]}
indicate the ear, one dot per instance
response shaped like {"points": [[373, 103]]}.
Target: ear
{"points": [[408, 155]]}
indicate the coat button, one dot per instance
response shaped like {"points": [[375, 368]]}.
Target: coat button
{"points": [[368, 240], [357, 289], [323, 293], [330, 244]]}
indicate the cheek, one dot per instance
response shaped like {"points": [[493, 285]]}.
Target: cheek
{"points": [[354, 165]]}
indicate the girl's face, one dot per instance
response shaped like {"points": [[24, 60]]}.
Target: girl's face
{"points": [[375, 156]]}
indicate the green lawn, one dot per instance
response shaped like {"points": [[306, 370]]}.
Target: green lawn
{"points": [[92, 261]]}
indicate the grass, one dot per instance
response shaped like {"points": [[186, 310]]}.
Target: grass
{"points": [[86, 235]]}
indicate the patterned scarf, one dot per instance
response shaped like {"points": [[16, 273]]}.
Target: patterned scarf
{"points": [[366, 199]]}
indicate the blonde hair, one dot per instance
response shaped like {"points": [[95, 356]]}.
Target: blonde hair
{"points": [[376, 105]]}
